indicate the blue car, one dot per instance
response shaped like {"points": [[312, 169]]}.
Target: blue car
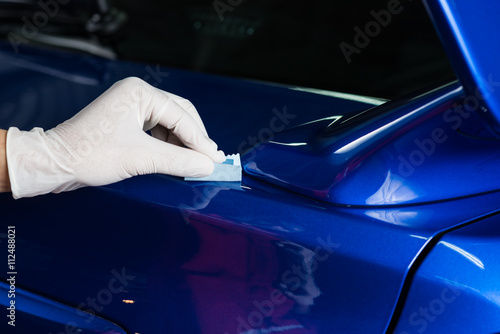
{"points": [[369, 197]]}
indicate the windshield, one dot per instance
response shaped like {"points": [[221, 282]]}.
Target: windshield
{"points": [[382, 48]]}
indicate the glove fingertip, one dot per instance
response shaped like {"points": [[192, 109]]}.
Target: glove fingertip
{"points": [[203, 167], [219, 157]]}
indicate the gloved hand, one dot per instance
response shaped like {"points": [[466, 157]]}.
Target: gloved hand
{"points": [[106, 143]]}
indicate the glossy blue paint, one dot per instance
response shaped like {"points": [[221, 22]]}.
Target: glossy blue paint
{"points": [[468, 30], [228, 257], [455, 289], [199, 261], [31, 312], [196, 258], [403, 152]]}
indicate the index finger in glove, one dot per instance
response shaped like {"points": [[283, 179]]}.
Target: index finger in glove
{"points": [[189, 108], [173, 116]]}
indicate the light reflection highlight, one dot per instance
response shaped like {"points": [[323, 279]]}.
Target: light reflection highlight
{"points": [[418, 236], [333, 120], [373, 134], [288, 144], [346, 96], [392, 191], [472, 258], [396, 217]]}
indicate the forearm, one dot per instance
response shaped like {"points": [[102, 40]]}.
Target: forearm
{"points": [[4, 174]]}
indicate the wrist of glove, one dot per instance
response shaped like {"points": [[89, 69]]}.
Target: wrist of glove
{"points": [[105, 143]]}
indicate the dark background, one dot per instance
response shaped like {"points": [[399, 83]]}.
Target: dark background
{"points": [[291, 42]]}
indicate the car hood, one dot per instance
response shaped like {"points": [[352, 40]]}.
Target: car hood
{"points": [[155, 254]]}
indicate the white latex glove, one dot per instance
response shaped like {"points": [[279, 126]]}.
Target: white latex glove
{"points": [[105, 143]]}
